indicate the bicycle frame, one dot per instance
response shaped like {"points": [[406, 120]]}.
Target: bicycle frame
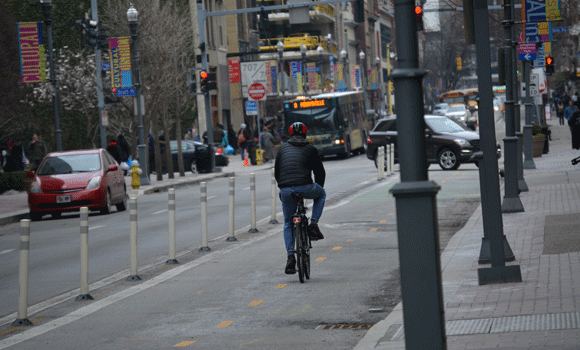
{"points": [[300, 237]]}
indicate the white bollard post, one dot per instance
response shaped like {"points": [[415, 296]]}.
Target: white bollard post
{"points": [[84, 255], [203, 196], [231, 236], [171, 210], [273, 219], [381, 163], [388, 158], [22, 316], [392, 158], [133, 239], [253, 202]]}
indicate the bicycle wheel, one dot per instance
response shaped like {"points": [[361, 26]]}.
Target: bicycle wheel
{"points": [[306, 253], [299, 251]]}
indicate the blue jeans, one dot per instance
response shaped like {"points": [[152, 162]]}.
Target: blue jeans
{"points": [[312, 191]]}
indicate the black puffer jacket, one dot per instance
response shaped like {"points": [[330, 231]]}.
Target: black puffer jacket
{"points": [[295, 162]]}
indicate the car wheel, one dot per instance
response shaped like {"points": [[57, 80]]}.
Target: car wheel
{"points": [[56, 215], [107, 208], [123, 205], [346, 154], [193, 167], [35, 216], [448, 159]]}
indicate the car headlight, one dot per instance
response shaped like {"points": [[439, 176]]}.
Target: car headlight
{"points": [[94, 183], [461, 142], [35, 187], [496, 108]]}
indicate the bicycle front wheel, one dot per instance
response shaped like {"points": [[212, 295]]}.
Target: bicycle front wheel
{"points": [[298, 245]]}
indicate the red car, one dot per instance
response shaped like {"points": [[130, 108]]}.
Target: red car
{"points": [[67, 181]]}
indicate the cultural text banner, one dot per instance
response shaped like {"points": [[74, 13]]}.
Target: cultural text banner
{"points": [[32, 60]]}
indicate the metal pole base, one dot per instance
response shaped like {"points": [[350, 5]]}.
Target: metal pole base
{"points": [[134, 278], [22, 322], [274, 221], [253, 230], [522, 185], [499, 274], [204, 249], [529, 164], [231, 239], [512, 205], [172, 262], [84, 297], [485, 252]]}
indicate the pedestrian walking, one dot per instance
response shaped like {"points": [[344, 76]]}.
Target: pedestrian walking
{"points": [[560, 111], [569, 111], [574, 124], [233, 138], [267, 141], [244, 140], [35, 151]]}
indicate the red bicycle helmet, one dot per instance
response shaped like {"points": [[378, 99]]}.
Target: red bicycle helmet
{"points": [[297, 128]]}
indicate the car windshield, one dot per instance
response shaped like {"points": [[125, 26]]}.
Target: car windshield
{"points": [[456, 108], [444, 125], [441, 106], [79, 163]]}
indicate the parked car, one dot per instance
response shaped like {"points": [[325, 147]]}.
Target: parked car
{"points": [[440, 108], [195, 156], [458, 113], [447, 143], [67, 181]]}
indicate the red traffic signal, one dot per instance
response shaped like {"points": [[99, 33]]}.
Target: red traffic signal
{"points": [[203, 74], [549, 61], [208, 81], [419, 17], [418, 10]]}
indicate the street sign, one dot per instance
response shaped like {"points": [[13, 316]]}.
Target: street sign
{"points": [[527, 52], [253, 72], [251, 108], [104, 118], [257, 91], [106, 65], [126, 92], [561, 29], [527, 56]]}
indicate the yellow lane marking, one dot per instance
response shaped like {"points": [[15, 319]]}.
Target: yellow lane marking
{"points": [[350, 240], [383, 221], [363, 235], [256, 302], [224, 324], [374, 229], [337, 248], [391, 214], [185, 343], [18, 327], [199, 292], [109, 290], [321, 259], [162, 267], [282, 285]]}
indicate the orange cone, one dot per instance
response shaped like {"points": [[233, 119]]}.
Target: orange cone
{"points": [[246, 162]]}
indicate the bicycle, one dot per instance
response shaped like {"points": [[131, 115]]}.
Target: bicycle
{"points": [[300, 237]]}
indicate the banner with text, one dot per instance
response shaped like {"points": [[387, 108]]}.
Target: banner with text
{"points": [[120, 53], [32, 60], [541, 11]]}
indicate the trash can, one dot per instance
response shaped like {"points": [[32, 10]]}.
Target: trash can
{"points": [[546, 131], [203, 159]]}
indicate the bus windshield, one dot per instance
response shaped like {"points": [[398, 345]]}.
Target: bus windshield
{"points": [[317, 120]]}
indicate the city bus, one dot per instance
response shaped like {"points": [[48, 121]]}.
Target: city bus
{"points": [[337, 123], [454, 97], [472, 98]]}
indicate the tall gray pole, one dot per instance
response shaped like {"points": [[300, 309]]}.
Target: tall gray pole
{"points": [[489, 178], [143, 161], [529, 161], [98, 68], [46, 8], [420, 265], [201, 18], [511, 201]]}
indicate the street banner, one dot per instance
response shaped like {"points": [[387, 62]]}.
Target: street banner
{"points": [[538, 32], [312, 76], [355, 77], [547, 48], [120, 53], [32, 60], [541, 11], [234, 70], [332, 66], [296, 70], [271, 77]]}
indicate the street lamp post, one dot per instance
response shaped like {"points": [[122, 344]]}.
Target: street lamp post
{"points": [[379, 85], [46, 8], [363, 78], [280, 47], [345, 75], [319, 49], [132, 16], [304, 74]]}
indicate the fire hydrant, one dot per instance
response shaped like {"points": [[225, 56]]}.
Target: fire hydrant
{"points": [[135, 174]]}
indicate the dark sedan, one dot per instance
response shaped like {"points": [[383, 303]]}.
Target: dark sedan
{"points": [[195, 156], [447, 143]]}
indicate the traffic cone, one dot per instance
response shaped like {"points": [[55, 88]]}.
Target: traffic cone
{"points": [[246, 162]]}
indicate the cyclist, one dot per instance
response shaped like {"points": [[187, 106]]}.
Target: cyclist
{"points": [[295, 162]]}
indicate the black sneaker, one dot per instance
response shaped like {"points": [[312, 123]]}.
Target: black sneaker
{"points": [[314, 232], [290, 265]]}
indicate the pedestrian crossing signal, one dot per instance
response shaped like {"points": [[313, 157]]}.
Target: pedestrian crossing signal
{"points": [[549, 64]]}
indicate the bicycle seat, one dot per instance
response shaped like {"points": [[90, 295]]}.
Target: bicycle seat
{"points": [[298, 197]]}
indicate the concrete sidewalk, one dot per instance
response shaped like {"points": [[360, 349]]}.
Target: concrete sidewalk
{"points": [[15, 204], [543, 311]]}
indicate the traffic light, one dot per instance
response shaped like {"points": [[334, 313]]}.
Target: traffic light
{"points": [[459, 64], [419, 17], [92, 33], [192, 83], [549, 64], [359, 11], [207, 81], [103, 36]]}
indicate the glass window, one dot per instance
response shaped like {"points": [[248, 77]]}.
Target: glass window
{"points": [[443, 125], [70, 164]]}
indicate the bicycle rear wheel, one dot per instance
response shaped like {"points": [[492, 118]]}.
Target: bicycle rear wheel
{"points": [[299, 251], [306, 253]]}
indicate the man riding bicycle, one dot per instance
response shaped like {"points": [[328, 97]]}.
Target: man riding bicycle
{"points": [[295, 162]]}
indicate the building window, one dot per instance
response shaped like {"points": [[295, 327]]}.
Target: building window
{"points": [[386, 38]]}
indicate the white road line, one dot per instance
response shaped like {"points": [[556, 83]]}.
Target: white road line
{"points": [[211, 197], [7, 251], [94, 227], [159, 212]]}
